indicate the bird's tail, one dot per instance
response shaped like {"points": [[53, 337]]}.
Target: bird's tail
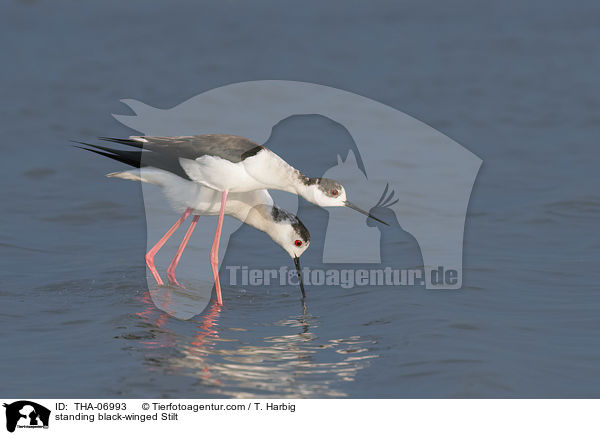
{"points": [[137, 159], [133, 175], [132, 158]]}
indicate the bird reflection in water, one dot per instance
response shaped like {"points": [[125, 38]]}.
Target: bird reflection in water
{"points": [[225, 362]]}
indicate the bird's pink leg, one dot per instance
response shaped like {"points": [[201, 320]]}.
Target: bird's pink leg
{"points": [[214, 252], [152, 252], [186, 239]]}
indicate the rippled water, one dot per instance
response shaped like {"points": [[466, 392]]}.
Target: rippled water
{"points": [[516, 84]]}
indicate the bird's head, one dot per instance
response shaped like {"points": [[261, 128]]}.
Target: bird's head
{"points": [[288, 232], [326, 192], [291, 234]]}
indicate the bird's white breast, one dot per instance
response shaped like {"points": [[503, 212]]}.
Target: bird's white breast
{"points": [[271, 171], [220, 174]]}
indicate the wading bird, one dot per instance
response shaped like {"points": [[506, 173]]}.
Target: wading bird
{"points": [[255, 208], [229, 164]]}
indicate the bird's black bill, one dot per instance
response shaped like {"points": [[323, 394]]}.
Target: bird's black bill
{"points": [[366, 213], [297, 263]]}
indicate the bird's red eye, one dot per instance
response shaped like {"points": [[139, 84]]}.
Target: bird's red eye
{"points": [[334, 192], [298, 243]]}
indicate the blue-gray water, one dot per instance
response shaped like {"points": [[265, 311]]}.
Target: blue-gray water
{"points": [[517, 84]]}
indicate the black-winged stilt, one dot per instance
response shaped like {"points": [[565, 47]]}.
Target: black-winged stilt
{"points": [[255, 208], [230, 163]]}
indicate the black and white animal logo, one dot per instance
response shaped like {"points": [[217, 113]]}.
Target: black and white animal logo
{"points": [[26, 414]]}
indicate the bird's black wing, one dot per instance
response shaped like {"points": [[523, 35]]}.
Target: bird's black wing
{"points": [[226, 146], [139, 159]]}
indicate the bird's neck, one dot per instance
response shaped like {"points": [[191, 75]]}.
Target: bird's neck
{"points": [[304, 186], [269, 219], [276, 173], [259, 217]]}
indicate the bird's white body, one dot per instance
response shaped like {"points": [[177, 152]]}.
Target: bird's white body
{"points": [[264, 170], [183, 194], [254, 208], [234, 164]]}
